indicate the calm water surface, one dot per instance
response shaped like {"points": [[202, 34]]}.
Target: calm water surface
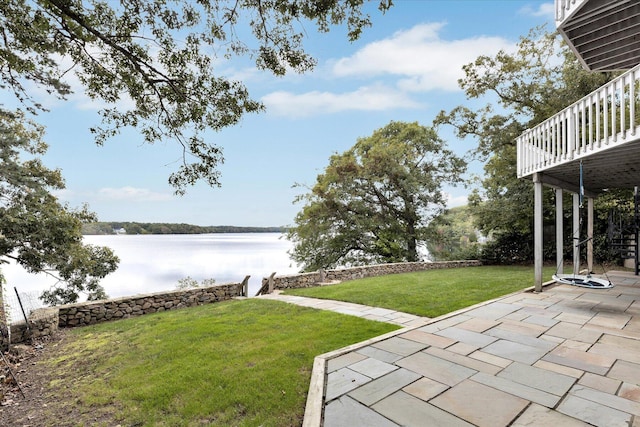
{"points": [[153, 263]]}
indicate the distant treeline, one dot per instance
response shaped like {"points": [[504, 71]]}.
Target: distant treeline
{"points": [[163, 228]]}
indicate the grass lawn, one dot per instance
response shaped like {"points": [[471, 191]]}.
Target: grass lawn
{"points": [[237, 363], [430, 293]]}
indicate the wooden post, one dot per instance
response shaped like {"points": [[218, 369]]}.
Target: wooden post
{"points": [[559, 232], [245, 286], [576, 233], [537, 232], [590, 235], [271, 284], [5, 329]]}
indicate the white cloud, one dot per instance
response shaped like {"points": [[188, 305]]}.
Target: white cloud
{"points": [[408, 62], [454, 201], [132, 194], [545, 10], [422, 59], [369, 98]]}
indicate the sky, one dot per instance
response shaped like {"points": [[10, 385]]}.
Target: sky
{"points": [[404, 68]]}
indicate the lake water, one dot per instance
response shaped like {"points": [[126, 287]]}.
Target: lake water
{"points": [[153, 263]]}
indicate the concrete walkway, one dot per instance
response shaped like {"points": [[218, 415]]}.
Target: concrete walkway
{"points": [[568, 356], [358, 310]]}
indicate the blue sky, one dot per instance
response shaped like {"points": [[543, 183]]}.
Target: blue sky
{"points": [[404, 68]]}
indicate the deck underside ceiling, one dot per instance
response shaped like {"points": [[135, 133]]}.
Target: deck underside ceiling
{"points": [[617, 167], [605, 34]]}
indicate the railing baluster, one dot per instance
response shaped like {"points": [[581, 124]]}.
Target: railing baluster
{"points": [[632, 103], [623, 106], [614, 93], [598, 112], [554, 147], [606, 116], [591, 136], [574, 142], [583, 126], [587, 125]]}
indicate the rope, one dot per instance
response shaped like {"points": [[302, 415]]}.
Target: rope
{"points": [[581, 186]]}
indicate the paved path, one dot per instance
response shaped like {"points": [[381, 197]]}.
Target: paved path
{"points": [[364, 311], [568, 356]]}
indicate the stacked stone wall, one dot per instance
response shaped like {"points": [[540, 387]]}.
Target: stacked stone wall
{"points": [[307, 280], [46, 321], [42, 322], [90, 313]]}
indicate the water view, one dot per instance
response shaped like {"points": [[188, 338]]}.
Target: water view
{"points": [[153, 263]]}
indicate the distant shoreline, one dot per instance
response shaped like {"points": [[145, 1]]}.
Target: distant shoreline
{"points": [[119, 227]]}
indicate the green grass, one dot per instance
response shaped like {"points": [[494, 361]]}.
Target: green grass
{"points": [[237, 363], [240, 363], [430, 293]]}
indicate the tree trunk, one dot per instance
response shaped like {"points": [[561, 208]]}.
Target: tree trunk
{"points": [[4, 325], [412, 244]]}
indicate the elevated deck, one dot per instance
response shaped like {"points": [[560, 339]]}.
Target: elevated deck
{"points": [[602, 130], [602, 33]]}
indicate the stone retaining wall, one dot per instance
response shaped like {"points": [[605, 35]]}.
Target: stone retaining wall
{"points": [[306, 280], [42, 322], [89, 313], [46, 321]]}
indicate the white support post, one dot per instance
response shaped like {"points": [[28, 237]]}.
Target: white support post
{"points": [[537, 232], [590, 234], [576, 233], [559, 232]]}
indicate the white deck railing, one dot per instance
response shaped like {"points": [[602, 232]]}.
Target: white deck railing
{"points": [[607, 117], [566, 8]]}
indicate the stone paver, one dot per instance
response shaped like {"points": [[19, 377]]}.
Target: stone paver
{"points": [[410, 411], [607, 399], [630, 392], [462, 360], [351, 309], [582, 360], [483, 406], [594, 413], [625, 371], [428, 338], [344, 360], [382, 387], [528, 340], [517, 389], [538, 378], [372, 368], [515, 351], [347, 412], [435, 368], [537, 415], [568, 356], [425, 388], [598, 382], [467, 337], [400, 346], [377, 353], [343, 381]]}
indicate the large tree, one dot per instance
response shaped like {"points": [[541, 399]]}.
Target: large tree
{"points": [[160, 56], [524, 88], [152, 65], [36, 230], [372, 203]]}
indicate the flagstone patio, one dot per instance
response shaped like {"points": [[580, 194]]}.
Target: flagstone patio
{"points": [[567, 356]]}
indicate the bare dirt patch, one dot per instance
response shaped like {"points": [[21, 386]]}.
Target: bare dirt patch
{"points": [[48, 398]]}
